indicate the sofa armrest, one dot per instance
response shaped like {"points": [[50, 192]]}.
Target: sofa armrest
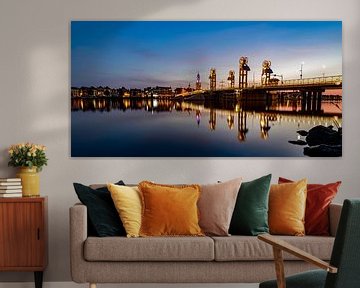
{"points": [[78, 235], [334, 217]]}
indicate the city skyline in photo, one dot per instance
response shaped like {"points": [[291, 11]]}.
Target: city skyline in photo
{"points": [[139, 54]]}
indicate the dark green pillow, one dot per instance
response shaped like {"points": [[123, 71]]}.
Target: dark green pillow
{"points": [[103, 218], [250, 216]]}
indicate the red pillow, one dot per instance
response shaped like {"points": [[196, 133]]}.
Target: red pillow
{"points": [[319, 197]]}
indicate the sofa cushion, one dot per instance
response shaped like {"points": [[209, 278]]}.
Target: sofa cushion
{"points": [[245, 248], [287, 204], [250, 215], [169, 210], [102, 216], [127, 201], [318, 199], [216, 206], [149, 249]]}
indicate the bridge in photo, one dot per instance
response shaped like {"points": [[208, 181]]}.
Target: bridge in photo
{"points": [[308, 88], [322, 83]]}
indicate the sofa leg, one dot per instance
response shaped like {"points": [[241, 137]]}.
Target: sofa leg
{"points": [[92, 285]]}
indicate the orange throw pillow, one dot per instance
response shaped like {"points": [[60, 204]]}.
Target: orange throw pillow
{"points": [[169, 210], [319, 197], [287, 204]]}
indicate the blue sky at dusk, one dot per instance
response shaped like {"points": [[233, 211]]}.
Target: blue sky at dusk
{"points": [[138, 54]]}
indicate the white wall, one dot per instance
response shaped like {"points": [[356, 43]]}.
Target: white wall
{"points": [[35, 106]]}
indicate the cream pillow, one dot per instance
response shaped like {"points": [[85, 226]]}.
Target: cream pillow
{"points": [[127, 201]]}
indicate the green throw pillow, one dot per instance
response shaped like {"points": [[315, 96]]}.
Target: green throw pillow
{"points": [[250, 216]]}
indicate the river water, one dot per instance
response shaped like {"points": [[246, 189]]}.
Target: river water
{"points": [[164, 128]]}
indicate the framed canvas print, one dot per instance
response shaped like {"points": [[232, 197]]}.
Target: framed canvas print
{"points": [[206, 88]]}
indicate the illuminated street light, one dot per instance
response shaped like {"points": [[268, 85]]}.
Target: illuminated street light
{"points": [[301, 69], [281, 76], [323, 72]]}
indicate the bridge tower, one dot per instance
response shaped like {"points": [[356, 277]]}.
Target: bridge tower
{"points": [[243, 72], [266, 72], [212, 78], [231, 79], [198, 82]]}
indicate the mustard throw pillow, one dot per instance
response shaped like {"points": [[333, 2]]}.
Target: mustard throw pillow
{"points": [[127, 201], [169, 210], [287, 204]]}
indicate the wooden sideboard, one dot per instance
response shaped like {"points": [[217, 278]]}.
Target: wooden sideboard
{"points": [[23, 235]]}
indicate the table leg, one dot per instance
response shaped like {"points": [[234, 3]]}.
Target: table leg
{"points": [[38, 279]]}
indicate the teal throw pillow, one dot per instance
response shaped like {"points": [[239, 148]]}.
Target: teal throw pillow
{"points": [[250, 216]]}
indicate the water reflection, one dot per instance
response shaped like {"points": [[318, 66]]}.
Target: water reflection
{"points": [[264, 126], [230, 120], [198, 117], [242, 128], [266, 115], [222, 128], [212, 120], [107, 105]]}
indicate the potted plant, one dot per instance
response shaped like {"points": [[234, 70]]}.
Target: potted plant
{"points": [[30, 158]]}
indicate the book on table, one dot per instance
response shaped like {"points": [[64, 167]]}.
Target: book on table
{"points": [[9, 195], [10, 188], [10, 183], [9, 180], [11, 191]]}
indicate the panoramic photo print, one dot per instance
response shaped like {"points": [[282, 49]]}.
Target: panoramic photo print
{"points": [[206, 89]]}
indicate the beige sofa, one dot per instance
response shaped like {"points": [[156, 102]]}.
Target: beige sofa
{"points": [[234, 259]]}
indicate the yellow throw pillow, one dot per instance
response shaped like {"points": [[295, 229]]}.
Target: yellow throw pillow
{"points": [[127, 201], [169, 210], [287, 204]]}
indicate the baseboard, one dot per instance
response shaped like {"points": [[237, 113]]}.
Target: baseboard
{"points": [[74, 285]]}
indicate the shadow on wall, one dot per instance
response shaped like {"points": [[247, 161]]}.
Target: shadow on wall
{"points": [[37, 61]]}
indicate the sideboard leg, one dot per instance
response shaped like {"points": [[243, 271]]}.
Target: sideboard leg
{"points": [[38, 279], [92, 285]]}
